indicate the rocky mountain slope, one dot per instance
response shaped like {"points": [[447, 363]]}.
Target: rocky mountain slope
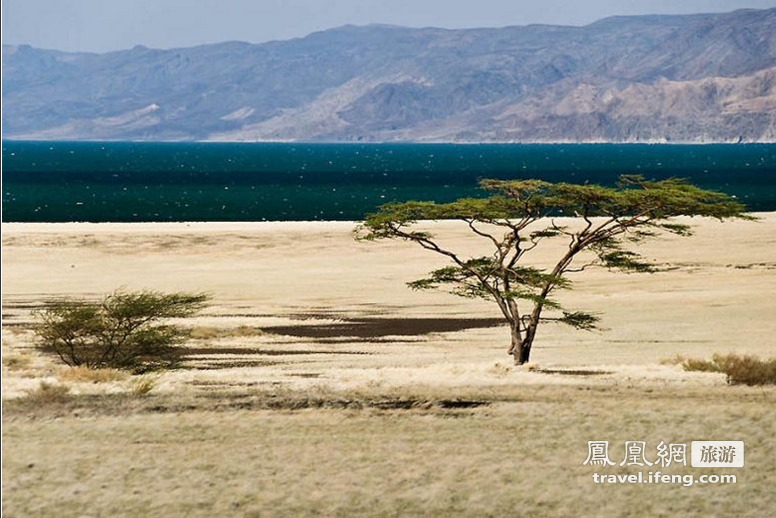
{"points": [[697, 78]]}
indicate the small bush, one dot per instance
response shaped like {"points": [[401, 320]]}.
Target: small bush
{"points": [[739, 369], [86, 375], [123, 331], [698, 365]]}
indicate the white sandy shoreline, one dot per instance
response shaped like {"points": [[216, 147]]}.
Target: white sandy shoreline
{"points": [[177, 226], [216, 226]]}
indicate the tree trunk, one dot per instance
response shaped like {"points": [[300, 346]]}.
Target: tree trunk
{"points": [[517, 341], [522, 352]]}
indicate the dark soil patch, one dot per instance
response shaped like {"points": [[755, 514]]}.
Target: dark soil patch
{"points": [[26, 305], [205, 351], [230, 364], [401, 403], [222, 384], [354, 339], [238, 315], [367, 327], [462, 403], [14, 324], [573, 372], [217, 400]]}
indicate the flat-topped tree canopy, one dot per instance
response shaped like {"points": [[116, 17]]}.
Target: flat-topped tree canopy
{"points": [[518, 199], [633, 210]]}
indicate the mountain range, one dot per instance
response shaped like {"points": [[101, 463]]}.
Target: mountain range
{"points": [[688, 78]]}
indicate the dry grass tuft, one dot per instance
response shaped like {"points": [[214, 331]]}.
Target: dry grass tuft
{"points": [[213, 333], [17, 361], [676, 359], [142, 386], [47, 394], [499, 369], [740, 369], [86, 375]]}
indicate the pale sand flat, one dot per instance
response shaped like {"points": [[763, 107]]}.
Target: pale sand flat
{"points": [[720, 298]]}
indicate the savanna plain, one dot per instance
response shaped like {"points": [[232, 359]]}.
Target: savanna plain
{"points": [[317, 383]]}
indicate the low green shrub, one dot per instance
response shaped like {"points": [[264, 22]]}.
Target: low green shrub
{"points": [[739, 369], [123, 331]]}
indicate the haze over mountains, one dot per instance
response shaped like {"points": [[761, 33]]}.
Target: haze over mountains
{"points": [[696, 78]]}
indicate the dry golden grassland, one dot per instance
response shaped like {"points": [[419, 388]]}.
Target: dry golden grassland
{"points": [[318, 384]]}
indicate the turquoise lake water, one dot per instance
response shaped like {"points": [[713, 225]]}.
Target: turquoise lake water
{"points": [[127, 181]]}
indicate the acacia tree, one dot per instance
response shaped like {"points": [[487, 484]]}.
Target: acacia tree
{"points": [[123, 331], [519, 215]]}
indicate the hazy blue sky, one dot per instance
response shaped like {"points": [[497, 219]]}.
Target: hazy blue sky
{"points": [[100, 25]]}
